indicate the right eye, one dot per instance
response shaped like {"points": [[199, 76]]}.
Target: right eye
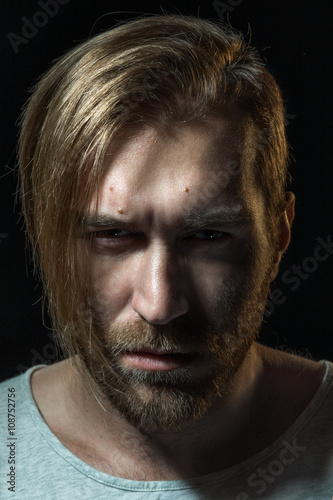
{"points": [[121, 239]]}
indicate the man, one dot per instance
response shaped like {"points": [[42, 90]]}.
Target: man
{"points": [[153, 165]]}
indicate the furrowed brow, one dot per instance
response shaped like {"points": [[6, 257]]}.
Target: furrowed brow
{"points": [[227, 217]]}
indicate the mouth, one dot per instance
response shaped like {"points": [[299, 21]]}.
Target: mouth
{"points": [[151, 360]]}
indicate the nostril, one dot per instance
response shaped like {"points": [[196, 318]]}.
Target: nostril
{"points": [[159, 310]]}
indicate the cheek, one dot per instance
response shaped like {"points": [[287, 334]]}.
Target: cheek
{"points": [[234, 259], [216, 281], [110, 289], [237, 271]]}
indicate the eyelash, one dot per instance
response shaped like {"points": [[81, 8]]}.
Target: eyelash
{"points": [[222, 233], [214, 235]]}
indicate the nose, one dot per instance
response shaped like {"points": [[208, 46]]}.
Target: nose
{"points": [[159, 293]]}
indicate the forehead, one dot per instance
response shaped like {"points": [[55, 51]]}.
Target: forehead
{"points": [[204, 163]]}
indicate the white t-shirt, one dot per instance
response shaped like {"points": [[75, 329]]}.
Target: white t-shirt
{"points": [[35, 465]]}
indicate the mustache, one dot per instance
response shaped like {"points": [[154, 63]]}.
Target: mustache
{"points": [[183, 336]]}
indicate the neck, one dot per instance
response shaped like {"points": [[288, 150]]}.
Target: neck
{"points": [[191, 452]]}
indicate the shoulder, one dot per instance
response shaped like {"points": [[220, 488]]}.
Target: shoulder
{"points": [[16, 403], [8, 398], [14, 384], [55, 393], [47, 385], [280, 362], [286, 370], [291, 381]]}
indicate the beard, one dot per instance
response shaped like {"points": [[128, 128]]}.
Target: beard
{"points": [[215, 348]]}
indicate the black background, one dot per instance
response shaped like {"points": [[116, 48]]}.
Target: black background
{"points": [[295, 38]]}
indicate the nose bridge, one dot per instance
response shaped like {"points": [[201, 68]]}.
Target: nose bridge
{"points": [[159, 294], [160, 264]]}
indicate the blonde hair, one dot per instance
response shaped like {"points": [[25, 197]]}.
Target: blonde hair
{"points": [[153, 70]]}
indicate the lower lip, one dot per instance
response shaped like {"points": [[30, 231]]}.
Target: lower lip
{"points": [[149, 361]]}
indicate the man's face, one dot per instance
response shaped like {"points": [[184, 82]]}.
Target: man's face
{"points": [[179, 269]]}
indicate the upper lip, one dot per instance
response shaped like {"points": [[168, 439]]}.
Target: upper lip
{"points": [[161, 351]]}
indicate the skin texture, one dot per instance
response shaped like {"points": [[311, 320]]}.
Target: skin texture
{"points": [[162, 279]]}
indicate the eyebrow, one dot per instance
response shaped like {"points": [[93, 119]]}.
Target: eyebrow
{"points": [[226, 216], [94, 221]]}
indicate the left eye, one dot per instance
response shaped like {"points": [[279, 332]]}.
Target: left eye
{"points": [[208, 234], [112, 233]]}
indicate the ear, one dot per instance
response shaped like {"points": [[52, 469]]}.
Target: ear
{"points": [[286, 220]]}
